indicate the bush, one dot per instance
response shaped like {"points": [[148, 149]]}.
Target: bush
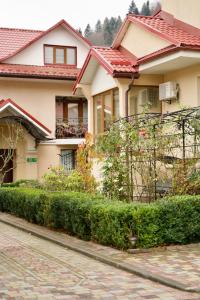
{"points": [[173, 220], [58, 180], [111, 223], [31, 183]]}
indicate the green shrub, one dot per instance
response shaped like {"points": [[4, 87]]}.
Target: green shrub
{"points": [[30, 183], [111, 223], [57, 180], [173, 220]]}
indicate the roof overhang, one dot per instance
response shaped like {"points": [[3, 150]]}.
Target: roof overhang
{"points": [[171, 62], [9, 110], [131, 19]]}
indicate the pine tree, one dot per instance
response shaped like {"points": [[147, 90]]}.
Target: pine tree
{"points": [[108, 37], [88, 31], [98, 26], [133, 8], [79, 31], [119, 22], [145, 11]]}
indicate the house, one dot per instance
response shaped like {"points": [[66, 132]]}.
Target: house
{"points": [[148, 54], [38, 70]]}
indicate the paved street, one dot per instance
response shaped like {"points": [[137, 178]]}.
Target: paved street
{"points": [[32, 268]]}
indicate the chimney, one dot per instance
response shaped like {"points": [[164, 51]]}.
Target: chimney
{"points": [[187, 11]]}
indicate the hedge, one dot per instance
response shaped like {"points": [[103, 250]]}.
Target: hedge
{"points": [[174, 220]]}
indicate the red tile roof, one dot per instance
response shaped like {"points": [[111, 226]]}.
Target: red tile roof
{"points": [[11, 40], [117, 61], [52, 72], [168, 29]]}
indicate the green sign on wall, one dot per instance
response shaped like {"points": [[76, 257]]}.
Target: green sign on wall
{"points": [[31, 159]]}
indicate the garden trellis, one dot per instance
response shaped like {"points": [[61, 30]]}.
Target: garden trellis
{"points": [[151, 155]]}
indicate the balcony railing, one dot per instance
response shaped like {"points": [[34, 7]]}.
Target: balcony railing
{"points": [[71, 128]]}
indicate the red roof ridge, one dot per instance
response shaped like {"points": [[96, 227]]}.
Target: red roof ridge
{"points": [[143, 16], [20, 29]]}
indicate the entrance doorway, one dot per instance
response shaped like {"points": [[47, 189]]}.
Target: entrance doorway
{"points": [[8, 168]]}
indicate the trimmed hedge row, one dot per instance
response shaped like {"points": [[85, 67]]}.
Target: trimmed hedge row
{"points": [[173, 220]]}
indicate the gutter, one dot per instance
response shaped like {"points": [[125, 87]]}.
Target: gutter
{"points": [[134, 76], [37, 77]]}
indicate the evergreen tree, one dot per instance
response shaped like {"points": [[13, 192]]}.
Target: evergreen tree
{"points": [[108, 37], [133, 8], [98, 26], [146, 9], [80, 31], [88, 31], [117, 25]]}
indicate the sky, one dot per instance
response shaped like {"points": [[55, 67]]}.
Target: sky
{"points": [[42, 14]]}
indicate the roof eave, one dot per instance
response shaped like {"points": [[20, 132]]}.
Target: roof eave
{"points": [[117, 74], [24, 76]]}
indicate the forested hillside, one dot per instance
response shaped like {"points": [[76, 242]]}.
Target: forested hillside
{"points": [[104, 32]]}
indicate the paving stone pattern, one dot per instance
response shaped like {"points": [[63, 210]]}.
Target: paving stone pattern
{"points": [[33, 268]]}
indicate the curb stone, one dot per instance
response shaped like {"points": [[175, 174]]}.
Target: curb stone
{"points": [[102, 258]]}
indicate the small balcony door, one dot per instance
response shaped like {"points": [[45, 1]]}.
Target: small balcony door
{"points": [[71, 118]]}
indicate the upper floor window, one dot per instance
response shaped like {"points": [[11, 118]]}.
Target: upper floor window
{"points": [[64, 55]]}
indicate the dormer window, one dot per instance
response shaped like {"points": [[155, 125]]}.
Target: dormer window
{"points": [[61, 55]]}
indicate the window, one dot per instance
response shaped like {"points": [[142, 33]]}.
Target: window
{"points": [[67, 159], [144, 96], [106, 107], [60, 55]]}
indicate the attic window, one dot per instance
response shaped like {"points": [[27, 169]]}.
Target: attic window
{"points": [[62, 55]]}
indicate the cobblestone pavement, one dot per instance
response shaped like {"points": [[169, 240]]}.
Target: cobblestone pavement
{"points": [[33, 268]]}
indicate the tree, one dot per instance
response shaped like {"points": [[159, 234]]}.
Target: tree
{"points": [[98, 26], [88, 31], [146, 9], [133, 8], [119, 22], [11, 133], [79, 31], [108, 36]]}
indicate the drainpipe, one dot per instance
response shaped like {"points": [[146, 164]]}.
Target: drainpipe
{"points": [[134, 76]]}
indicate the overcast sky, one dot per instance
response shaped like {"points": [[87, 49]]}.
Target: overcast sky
{"points": [[41, 14]]}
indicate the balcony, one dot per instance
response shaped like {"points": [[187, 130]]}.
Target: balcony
{"points": [[71, 128]]}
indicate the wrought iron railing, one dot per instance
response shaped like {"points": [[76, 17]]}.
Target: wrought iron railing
{"points": [[71, 128]]}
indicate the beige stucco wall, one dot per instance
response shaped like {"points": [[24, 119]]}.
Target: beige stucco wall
{"points": [[153, 80], [141, 42], [184, 10], [102, 81], [34, 54], [48, 156], [36, 97], [188, 80]]}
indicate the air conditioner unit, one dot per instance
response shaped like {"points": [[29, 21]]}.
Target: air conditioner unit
{"points": [[168, 91]]}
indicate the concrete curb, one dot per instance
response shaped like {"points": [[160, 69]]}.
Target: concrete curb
{"points": [[104, 259]]}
